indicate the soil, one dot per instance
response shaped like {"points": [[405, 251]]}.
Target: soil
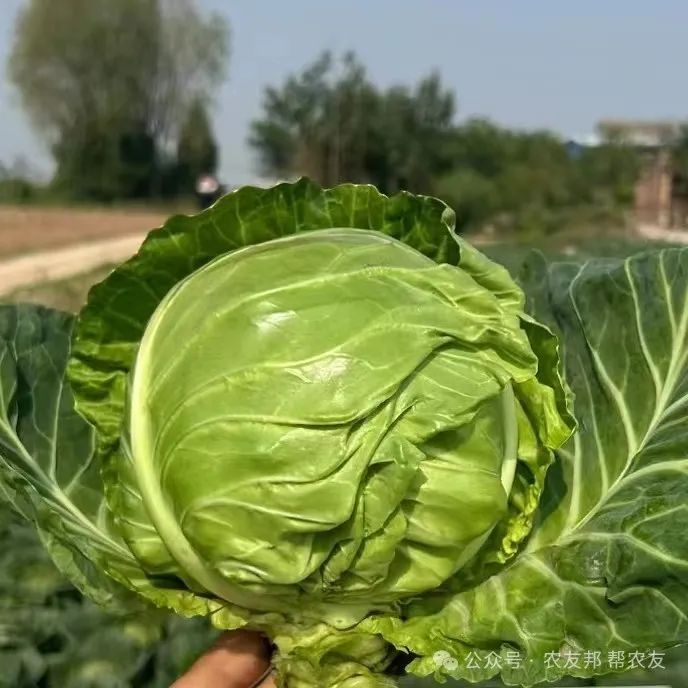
{"points": [[31, 229]]}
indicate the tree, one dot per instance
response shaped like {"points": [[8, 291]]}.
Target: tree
{"points": [[332, 124], [318, 123], [292, 116], [106, 82], [526, 182], [414, 130], [196, 149]]}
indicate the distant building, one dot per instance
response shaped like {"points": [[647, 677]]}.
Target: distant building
{"points": [[640, 133], [661, 192]]}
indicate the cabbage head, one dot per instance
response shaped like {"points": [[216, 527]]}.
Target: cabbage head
{"points": [[330, 423]]}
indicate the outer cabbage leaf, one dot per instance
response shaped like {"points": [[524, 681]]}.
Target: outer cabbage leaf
{"points": [[49, 634], [53, 637], [47, 463], [606, 568]]}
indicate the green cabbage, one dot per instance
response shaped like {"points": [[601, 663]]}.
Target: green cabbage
{"points": [[327, 424], [321, 414]]}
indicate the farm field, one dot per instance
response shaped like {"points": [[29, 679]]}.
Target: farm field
{"points": [[70, 294], [28, 229]]}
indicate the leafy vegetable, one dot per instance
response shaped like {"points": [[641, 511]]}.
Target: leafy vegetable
{"points": [[322, 414]]}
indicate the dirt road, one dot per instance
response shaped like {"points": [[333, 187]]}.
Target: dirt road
{"points": [[47, 244], [655, 233], [58, 264]]}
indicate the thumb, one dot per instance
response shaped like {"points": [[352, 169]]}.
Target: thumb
{"points": [[238, 660]]}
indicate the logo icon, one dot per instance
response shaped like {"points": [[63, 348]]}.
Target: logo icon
{"points": [[445, 661]]}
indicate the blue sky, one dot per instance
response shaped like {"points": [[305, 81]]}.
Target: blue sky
{"points": [[526, 63]]}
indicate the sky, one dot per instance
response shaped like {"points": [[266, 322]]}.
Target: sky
{"points": [[523, 63]]}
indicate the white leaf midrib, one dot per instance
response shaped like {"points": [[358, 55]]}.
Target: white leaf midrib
{"points": [[60, 499], [662, 408]]}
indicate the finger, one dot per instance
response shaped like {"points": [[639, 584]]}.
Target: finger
{"points": [[237, 660]]}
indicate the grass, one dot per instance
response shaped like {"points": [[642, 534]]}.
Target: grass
{"points": [[65, 295], [512, 254]]}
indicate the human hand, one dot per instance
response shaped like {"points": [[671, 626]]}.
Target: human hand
{"points": [[239, 659]]}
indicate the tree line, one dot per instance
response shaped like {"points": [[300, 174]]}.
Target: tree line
{"points": [[333, 124], [122, 90]]}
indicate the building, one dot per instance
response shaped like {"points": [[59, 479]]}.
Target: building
{"points": [[661, 192]]}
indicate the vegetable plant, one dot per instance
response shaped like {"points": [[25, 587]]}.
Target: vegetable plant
{"points": [[324, 415]]}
